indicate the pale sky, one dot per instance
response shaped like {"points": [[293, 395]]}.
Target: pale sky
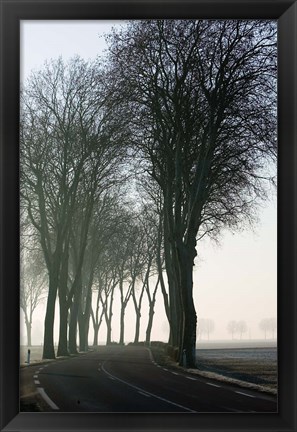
{"points": [[234, 281]]}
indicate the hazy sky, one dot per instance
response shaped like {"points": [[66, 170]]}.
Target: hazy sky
{"points": [[235, 280]]}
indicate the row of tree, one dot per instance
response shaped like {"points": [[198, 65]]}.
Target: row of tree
{"points": [[184, 108], [267, 325], [126, 262], [206, 326]]}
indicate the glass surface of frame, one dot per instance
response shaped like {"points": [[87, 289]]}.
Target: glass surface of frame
{"points": [[101, 203]]}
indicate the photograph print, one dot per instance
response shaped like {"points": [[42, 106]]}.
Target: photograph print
{"points": [[148, 252]]}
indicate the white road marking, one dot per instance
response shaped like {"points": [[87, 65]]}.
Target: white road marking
{"points": [[47, 399], [193, 379], [36, 382], [165, 369], [214, 385], [245, 394], [144, 394], [149, 393], [175, 373], [35, 376]]}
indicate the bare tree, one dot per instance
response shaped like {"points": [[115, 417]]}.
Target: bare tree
{"points": [[241, 328], [129, 270], [273, 326], [32, 287], [70, 151], [268, 325], [201, 100], [232, 327], [205, 326], [149, 245], [153, 210]]}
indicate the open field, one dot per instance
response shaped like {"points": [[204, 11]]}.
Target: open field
{"points": [[35, 354], [250, 343], [252, 365]]}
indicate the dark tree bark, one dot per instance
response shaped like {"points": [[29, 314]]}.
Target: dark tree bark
{"points": [[83, 323], [202, 96], [71, 152], [63, 341], [74, 319], [125, 297], [48, 344], [152, 302], [29, 330], [137, 306]]}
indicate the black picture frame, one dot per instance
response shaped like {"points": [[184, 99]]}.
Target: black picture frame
{"points": [[285, 11]]}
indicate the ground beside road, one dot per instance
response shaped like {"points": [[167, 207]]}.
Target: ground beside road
{"points": [[254, 368]]}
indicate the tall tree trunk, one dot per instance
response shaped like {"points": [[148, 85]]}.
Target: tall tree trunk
{"points": [[175, 320], [108, 335], [109, 318], [84, 320], [149, 324], [73, 321], [96, 332], [137, 306], [186, 257], [137, 327], [152, 301], [87, 316], [28, 329], [62, 291], [96, 322], [48, 341], [81, 330], [62, 345], [122, 325], [124, 301]]}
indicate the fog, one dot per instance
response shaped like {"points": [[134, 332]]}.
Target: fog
{"points": [[236, 280], [233, 280]]}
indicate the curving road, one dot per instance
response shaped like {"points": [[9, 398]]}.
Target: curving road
{"points": [[126, 379]]}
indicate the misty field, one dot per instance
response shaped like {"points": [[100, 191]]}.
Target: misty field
{"points": [[252, 365], [35, 354]]}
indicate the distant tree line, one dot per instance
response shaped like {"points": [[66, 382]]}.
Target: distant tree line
{"points": [[269, 327], [127, 163], [205, 327]]}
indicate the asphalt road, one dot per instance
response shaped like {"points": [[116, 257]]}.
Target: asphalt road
{"points": [[126, 379]]}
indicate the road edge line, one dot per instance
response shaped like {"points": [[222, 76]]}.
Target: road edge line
{"points": [[46, 398]]}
